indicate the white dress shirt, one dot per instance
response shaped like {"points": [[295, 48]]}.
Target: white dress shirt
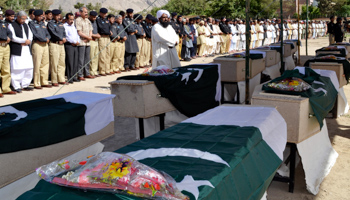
{"points": [[71, 33]]}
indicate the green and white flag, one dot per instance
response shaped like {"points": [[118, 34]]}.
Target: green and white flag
{"points": [[51, 120], [228, 152]]}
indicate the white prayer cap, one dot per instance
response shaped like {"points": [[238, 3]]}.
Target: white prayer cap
{"points": [[161, 12]]}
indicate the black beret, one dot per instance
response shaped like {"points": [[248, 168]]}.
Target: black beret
{"points": [[103, 10], [48, 12], [149, 16], [38, 12], [9, 12], [56, 12], [138, 16], [93, 13], [130, 10], [154, 19]]}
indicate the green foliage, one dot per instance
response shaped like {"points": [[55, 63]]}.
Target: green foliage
{"points": [[314, 12], [219, 8], [329, 7], [78, 5]]}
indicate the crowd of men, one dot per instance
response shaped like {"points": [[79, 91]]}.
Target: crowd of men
{"points": [[49, 49]]}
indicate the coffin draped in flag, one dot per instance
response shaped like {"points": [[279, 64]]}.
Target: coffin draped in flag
{"points": [[322, 94], [208, 156], [51, 120], [192, 89]]}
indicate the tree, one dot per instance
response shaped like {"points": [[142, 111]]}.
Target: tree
{"points": [[313, 12], [78, 5], [329, 7]]}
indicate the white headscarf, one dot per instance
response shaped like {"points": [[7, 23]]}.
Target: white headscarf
{"points": [[161, 12]]}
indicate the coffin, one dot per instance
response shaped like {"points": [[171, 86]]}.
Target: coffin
{"points": [[272, 57], [296, 111], [16, 165], [287, 49], [138, 99], [337, 67], [233, 69]]}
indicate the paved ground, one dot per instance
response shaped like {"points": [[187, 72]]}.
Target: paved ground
{"points": [[335, 186]]}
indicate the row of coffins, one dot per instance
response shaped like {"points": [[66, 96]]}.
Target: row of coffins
{"points": [[196, 89]]}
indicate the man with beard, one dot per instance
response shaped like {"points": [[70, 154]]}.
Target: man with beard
{"points": [[131, 47], [164, 41], [9, 16], [94, 45], [40, 50]]}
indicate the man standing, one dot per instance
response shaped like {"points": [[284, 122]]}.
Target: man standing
{"points": [[164, 40], [71, 48], [56, 49], [84, 29], [131, 47], [120, 44], [40, 50], [31, 15], [113, 46], [330, 30], [9, 16], [48, 17], [5, 38], [338, 32], [225, 33], [21, 58], [147, 27], [104, 29], [140, 35], [194, 35], [94, 45]]}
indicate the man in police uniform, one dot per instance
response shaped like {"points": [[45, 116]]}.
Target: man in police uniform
{"points": [[113, 46], [94, 45], [330, 30], [104, 29], [140, 35], [147, 27], [56, 49], [48, 16], [40, 50], [225, 32], [9, 16], [120, 50], [131, 47], [5, 38]]}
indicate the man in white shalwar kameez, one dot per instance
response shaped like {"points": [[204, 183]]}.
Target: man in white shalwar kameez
{"points": [[21, 62], [164, 40]]}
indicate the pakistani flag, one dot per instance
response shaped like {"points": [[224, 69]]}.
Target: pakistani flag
{"points": [[322, 94], [192, 90], [207, 155], [47, 121]]}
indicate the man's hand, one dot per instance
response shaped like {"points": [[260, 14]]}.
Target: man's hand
{"points": [[89, 38], [60, 42], [136, 31], [124, 38], [77, 43], [8, 40], [64, 40], [111, 33], [27, 42], [47, 40]]}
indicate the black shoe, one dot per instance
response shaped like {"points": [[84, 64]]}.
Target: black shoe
{"points": [[28, 89], [18, 90], [76, 80], [187, 59]]}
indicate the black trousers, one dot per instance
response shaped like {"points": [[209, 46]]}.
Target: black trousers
{"points": [[71, 60], [194, 50], [129, 60]]}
